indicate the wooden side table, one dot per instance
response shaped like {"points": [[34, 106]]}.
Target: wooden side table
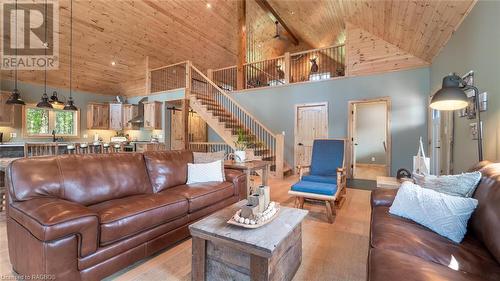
{"points": [[248, 168]]}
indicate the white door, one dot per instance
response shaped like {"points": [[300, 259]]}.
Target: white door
{"points": [[311, 122]]}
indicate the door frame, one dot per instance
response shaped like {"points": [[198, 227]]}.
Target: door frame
{"points": [[350, 133], [295, 128]]}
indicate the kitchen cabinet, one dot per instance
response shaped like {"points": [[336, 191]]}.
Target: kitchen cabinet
{"points": [[129, 112], [6, 110], [142, 147], [152, 115], [116, 116], [98, 116]]}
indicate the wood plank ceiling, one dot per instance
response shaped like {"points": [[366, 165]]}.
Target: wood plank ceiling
{"points": [[206, 32], [419, 27], [128, 31]]}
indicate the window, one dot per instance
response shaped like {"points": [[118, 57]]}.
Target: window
{"points": [[40, 122]]}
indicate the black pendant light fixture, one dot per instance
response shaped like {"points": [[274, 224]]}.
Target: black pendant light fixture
{"points": [[44, 102], [15, 96], [70, 105], [54, 100]]}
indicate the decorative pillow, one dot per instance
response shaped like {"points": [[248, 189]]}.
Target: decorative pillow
{"points": [[458, 185], [444, 214], [208, 157], [205, 172]]}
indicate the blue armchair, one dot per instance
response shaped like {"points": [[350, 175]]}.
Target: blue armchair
{"points": [[326, 180]]}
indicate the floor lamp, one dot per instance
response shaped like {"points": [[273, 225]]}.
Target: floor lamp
{"points": [[452, 96]]}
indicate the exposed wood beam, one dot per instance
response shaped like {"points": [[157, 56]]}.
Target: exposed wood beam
{"points": [[242, 44], [276, 17]]}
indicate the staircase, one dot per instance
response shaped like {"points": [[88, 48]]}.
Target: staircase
{"points": [[227, 118]]}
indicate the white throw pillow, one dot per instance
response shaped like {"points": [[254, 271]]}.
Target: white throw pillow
{"points": [[462, 185], [445, 214], [205, 172]]}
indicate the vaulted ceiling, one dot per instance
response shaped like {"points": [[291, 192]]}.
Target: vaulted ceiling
{"points": [[419, 27], [206, 32]]}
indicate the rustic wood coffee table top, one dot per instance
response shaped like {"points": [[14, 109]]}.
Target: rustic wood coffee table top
{"points": [[260, 241]]}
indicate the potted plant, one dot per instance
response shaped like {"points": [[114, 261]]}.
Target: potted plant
{"points": [[241, 145]]}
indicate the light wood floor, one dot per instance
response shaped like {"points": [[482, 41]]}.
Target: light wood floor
{"points": [[369, 171], [336, 251]]}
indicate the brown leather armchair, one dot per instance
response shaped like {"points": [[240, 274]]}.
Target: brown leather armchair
{"points": [[84, 217], [403, 250]]}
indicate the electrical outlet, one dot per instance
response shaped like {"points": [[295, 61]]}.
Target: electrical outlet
{"points": [[13, 135], [373, 159]]}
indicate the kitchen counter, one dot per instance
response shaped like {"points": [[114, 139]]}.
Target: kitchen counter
{"points": [[21, 144]]}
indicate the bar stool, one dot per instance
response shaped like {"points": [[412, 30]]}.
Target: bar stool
{"points": [[116, 148], [95, 147], [71, 148], [82, 148], [105, 148]]}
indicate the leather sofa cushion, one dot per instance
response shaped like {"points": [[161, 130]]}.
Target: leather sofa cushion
{"points": [[485, 221], [23, 186], [201, 195], [387, 265], [124, 217], [393, 233], [167, 168], [94, 178]]}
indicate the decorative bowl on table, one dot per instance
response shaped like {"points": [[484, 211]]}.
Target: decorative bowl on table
{"points": [[258, 220]]}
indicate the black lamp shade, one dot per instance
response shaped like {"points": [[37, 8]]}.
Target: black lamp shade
{"points": [[70, 105], [451, 96], [54, 100], [44, 103], [15, 98]]}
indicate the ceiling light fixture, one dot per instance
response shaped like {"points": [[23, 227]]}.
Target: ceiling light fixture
{"points": [[113, 63], [209, 5], [44, 101], [15, 97], [70, 105]]}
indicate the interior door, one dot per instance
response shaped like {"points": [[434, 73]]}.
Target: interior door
{"points": [[176, 130], [197, 128], [311, 123], [370, 140]]}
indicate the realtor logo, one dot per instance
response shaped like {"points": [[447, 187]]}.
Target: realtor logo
{"points": [[32, 32]]}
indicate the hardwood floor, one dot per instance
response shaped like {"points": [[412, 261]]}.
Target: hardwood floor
{"points": [[369, 171], [336, 251]]}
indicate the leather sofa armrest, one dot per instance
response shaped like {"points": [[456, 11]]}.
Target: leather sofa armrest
{"points": [[383, 197], [239, 181], [51, 219]]}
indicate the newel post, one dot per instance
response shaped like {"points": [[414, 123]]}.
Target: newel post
{"points": [[287, 68], [280, 155], [210, 74]]}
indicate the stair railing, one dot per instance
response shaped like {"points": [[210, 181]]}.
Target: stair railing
{"points": [[266, 144]]}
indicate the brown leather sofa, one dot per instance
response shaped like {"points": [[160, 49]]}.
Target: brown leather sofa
{"points": [[403, 250], [84, 217]]}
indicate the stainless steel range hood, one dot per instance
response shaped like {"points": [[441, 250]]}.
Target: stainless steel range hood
{"points": [[139, 119]]}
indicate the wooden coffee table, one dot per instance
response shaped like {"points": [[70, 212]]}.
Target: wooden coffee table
{"points": [[227, 252]]}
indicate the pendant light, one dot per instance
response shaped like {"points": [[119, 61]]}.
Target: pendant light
{"points": [[44, 102], [54, 100], [70, 105], [15, 97]]}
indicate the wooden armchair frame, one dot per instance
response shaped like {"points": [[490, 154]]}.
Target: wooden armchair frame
{"points": [[330, 200]]}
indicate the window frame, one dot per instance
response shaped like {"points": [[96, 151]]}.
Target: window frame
{"points": [[52, 123]]}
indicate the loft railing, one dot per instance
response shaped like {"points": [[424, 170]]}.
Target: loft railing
{"points": [[264, 142], [311, 65], [225, 78], [167, 78]]}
